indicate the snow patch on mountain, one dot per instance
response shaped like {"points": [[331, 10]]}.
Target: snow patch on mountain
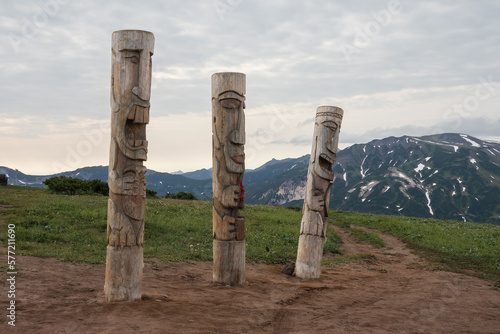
{"points": [[429, 201], [363, 172], [436, 143], [473, 143], [419, 168], [365, 191]]}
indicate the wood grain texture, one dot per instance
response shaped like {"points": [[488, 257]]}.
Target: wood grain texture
{"points": [[228, 138], [318, 189], [130, 93]]}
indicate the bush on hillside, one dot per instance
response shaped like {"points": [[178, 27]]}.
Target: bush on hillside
{"points": [[181, 195], [151, 193], [65, 185]]}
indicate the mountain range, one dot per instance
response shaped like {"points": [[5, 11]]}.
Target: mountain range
{"points": [[446, 176]]}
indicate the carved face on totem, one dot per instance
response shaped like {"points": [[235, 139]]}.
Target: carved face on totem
{"points": [[323, 156], [229, 134], [130, 92], [229, 127], [326, 141]]}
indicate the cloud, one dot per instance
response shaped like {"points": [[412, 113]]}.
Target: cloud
{"points": [[410, 73], [477, 127]]}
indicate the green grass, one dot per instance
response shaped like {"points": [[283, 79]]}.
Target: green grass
{"points": [[73, 228], [361, 235], [369, 237], [348, 259], [450, 245]]}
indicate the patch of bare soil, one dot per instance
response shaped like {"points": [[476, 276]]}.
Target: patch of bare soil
{"points": [[392, 292]]}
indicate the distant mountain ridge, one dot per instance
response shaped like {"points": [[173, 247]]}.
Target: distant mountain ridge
{"points": [[160, 182], [446, 176]]}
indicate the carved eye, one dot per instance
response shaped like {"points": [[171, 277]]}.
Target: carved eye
{"points": [[331, 125], [230, 103], [317, 192], [135, 60]]}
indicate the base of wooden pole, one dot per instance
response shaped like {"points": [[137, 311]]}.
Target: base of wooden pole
{"points": [[123, 273], [309, 255], [229, 262]]}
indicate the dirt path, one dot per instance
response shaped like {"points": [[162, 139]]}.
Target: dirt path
{"points": [[387, 293]]}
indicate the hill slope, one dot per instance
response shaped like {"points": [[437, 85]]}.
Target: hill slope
{"points": [[448, 176]]}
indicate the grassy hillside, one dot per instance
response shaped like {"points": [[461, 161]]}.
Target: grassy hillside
{"points": [[450, 244], [73, 228]]}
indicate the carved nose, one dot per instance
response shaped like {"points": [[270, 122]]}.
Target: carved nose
{"points": [[143, 94], [238, 135], [332, 145], [143, 89], [329, 145]]}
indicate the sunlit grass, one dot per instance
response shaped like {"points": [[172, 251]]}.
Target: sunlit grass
{"points": [[451, 244], [73, 228]]}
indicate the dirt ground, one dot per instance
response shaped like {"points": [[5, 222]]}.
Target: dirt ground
{"points": [[392, 292]]}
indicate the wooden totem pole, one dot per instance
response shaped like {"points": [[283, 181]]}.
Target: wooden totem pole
{"points": [[130, 94], [317, 199], [228, 138]]}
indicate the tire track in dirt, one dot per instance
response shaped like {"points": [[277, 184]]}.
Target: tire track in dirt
{"points": [[395, 252]]}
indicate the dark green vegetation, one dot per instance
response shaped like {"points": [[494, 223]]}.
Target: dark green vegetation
{"points": [[450, 245], [71, 186], [151, 194], [73, 228], [181, 195], [64, 185]]}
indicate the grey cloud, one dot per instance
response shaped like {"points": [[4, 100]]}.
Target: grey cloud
{"points": [[295, 141], [477, 127], [288, 49]]}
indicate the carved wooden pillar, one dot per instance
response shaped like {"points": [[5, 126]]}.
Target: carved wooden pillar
{"points": [[130, 93], [228, 138], [317, 199]]}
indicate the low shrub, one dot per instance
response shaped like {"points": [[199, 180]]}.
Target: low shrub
{"points": [[65, 185], [181, 195]]}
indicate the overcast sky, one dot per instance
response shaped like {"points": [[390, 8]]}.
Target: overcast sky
{"points": [[395, 67]]}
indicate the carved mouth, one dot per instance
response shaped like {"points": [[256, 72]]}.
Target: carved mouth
{"points": [[137, 144], [239, 159], [137, 120], [325, 162]]}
